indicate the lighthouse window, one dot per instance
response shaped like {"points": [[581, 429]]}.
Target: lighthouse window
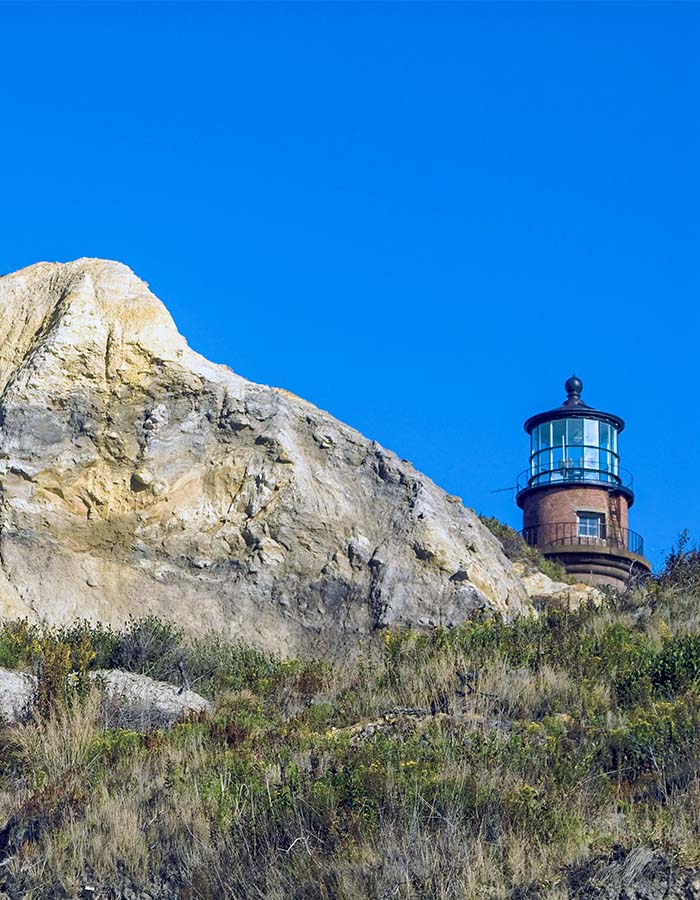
{"points": [[590, 441], [558, 432], [591, 524], [590, 432], [575, 432], [605, 455], [558, 446]]}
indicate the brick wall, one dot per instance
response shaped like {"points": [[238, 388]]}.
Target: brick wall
{"points": [[560, 504]]}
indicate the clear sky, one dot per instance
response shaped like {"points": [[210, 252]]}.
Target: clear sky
{"points": [[422, 217]]}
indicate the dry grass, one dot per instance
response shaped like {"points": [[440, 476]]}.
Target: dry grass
{"points": [[49, 749], [108, 839]]}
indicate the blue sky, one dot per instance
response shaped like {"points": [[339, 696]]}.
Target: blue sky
{"points": [[420, 216]]}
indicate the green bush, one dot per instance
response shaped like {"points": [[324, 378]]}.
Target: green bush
{"points": [[518, 550], [681, 570], [17, 639], [149, 646], [661, 672], [62, 671]]}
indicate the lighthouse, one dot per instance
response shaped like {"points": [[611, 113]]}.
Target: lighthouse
{"points": [[574, 495]]}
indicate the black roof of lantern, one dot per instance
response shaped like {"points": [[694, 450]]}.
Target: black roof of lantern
{"points": [[573, 408]]}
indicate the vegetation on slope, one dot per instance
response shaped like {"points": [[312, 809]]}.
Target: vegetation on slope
{"points": [[517, 549], [484, 761]]}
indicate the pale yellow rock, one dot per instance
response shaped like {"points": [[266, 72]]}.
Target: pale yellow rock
{"points": [[542, 589], [137, 477]]}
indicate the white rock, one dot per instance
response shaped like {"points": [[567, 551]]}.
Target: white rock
{"points": [[136, 701], [542, 588], [142, 702], [17, 693]]}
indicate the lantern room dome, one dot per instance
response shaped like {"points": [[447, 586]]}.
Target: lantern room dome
{"points": [[574, 407]]}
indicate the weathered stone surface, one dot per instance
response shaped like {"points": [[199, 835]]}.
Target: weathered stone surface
{"points": [[542, 590], [134, 701], [17, 693], [137, 477], [140, 702]]}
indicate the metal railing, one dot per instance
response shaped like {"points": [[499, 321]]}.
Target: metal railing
{"points": [[566, 474], [557, 534]]}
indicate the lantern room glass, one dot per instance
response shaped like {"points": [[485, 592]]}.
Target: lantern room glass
{"points": [[574, 449]]}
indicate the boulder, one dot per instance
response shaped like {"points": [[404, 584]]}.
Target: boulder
{"points": [[141, 703], [17, 695], [541, 589], [132, 700]]}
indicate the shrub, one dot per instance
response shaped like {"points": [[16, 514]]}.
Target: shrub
{"points": [[16, 642], [517, 549], [149, 646], [213, 665], [681, 570], [62, 671]]}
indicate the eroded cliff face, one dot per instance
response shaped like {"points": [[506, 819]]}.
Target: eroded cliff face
{"points": [[137, 477]]}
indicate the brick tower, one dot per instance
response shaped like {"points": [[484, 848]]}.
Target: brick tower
{"points": [[574, 495]]}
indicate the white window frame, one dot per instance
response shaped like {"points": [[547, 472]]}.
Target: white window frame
{"points": [[589, 515]]}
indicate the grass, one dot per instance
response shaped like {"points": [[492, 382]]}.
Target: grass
{"points": [[488, 760]]}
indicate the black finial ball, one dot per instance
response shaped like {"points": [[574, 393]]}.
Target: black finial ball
{"points": [[573, 385]]}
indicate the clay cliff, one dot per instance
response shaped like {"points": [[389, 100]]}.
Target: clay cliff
{"points": [[137, 477]]}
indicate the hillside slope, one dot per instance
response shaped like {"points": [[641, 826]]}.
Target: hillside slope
{"points": [[555, 758], [137, 477]]}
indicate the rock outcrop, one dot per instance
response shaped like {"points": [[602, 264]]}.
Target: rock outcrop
{"points": [[131, 700], [141, 703], [543, 591], [137, 477], [17, 695]]}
